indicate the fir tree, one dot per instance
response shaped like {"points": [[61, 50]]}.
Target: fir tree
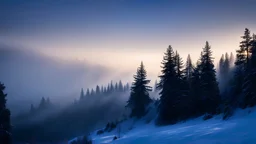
{"points": [[250, 80], [195, 91], [168, 89], [231, 60], [5, 121], [139, 96], [246, 43], [108, 89], [105, 90], [221, 64], [241, 68], [221, 69], [2, 97], [243, 53], [102, 89], [87, 92], [210, 97], [82, 94], [116, 87], [97, 90], [111, 87], [226, 71], [120, 86], [92, 92], [127, 87], [226, 64], [178, 65], [42, 104], [188, 69], [191, 85]]}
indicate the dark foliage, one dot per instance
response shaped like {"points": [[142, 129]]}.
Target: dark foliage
{"points": [[207, 116], [99, 132], [115, 138], [185, 92], [76, 119], [139, 96], [5, 121]]}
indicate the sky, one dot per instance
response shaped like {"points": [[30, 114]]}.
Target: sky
{"points": [[122, 33]]}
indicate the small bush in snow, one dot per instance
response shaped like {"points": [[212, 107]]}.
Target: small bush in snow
{"points": [[207, 116], [115, 138], [228, 112], [112, 126], [99, 132], [107, 127]]}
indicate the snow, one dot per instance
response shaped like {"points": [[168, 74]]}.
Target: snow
{"points": [[239, 129]]}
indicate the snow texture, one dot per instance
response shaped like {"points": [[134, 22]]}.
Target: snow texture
{"points": [[239, 129]]}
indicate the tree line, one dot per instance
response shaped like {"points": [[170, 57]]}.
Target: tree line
{"points": [[104, 90], [191, 90], [187, 90], [94, 107]]}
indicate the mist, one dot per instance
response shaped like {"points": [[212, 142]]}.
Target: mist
{"points": [[29, 75], [81, 117]]}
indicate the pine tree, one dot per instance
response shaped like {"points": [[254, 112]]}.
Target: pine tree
{"points": [[120, 86], [127, 87], [97, 90], [92, 92], [221, 66], [195, 91], [102, 90], [246, 43], [243, 52], [82, 94], [139, 96], [2, 97], [188, 69], [5, 121], [108, 89], [250, 80], [168, 89], [226, 64], [42, 104], [241, 68], [210, 91], [231, 60], [105, 90], [116, 87], [87, 92], [111, 87], [178, 65], [190, 86], [226, 70]]}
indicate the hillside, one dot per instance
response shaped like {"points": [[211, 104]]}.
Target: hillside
{"points": [[237, 130]]}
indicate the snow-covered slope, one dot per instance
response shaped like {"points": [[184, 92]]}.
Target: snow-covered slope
{"points": [[239, 129]]}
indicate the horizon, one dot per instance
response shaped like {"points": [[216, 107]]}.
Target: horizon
{"points": [[127, 71], [113, 37]]}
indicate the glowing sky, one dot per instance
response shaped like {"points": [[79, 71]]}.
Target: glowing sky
{"points": [[121, 33]]}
